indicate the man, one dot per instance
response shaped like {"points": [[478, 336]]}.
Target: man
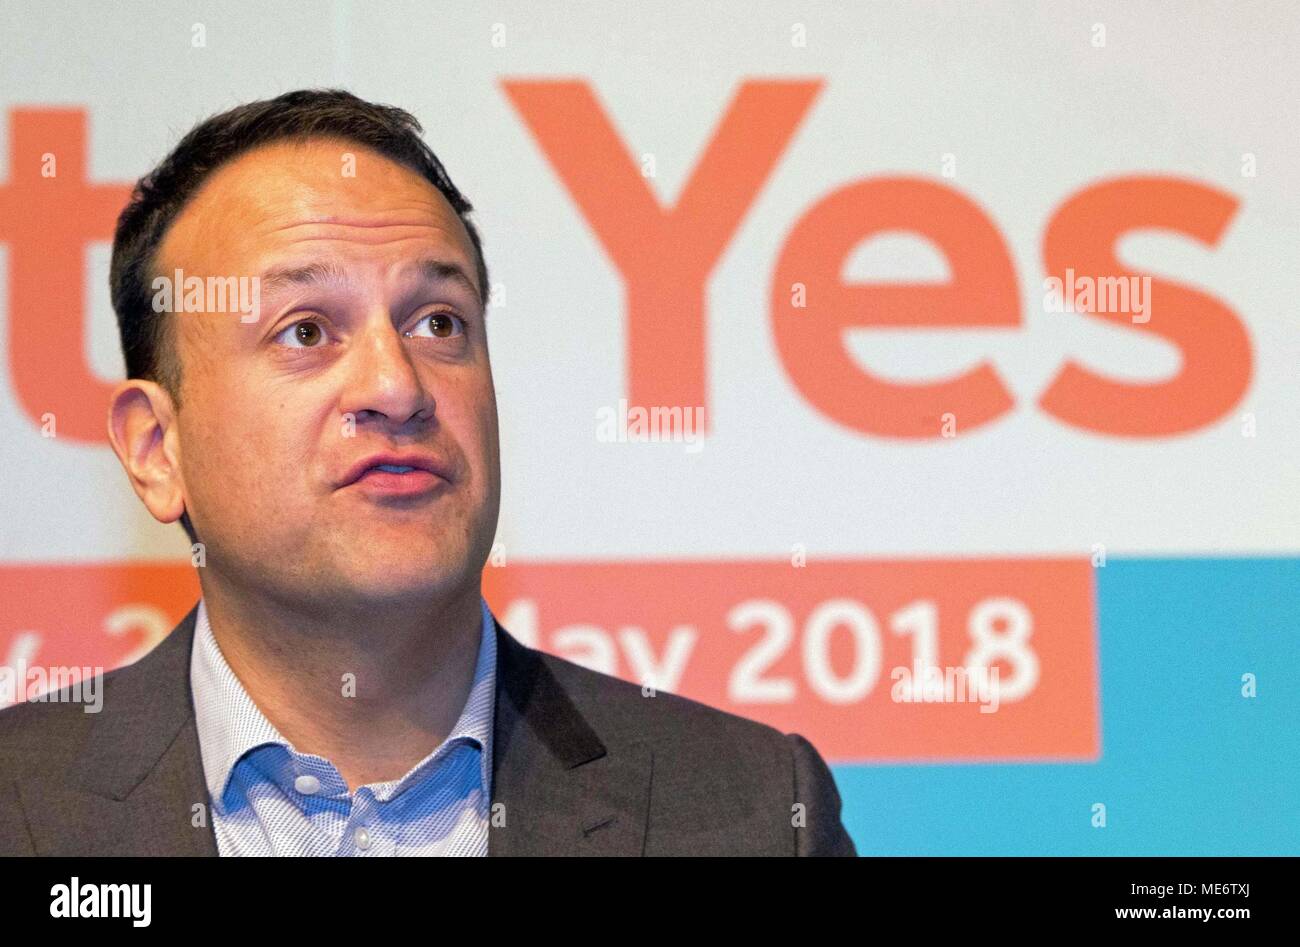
{"points": [[329, 441]]}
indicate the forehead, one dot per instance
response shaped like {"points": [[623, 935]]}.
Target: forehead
{"points": [[322, 197]]}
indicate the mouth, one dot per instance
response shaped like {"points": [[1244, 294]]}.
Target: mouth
{"points": [[388, 475], [395, 480]]}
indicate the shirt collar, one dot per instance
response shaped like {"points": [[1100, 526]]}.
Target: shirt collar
{"points": [[230, 724]]}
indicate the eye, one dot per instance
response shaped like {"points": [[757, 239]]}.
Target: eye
{"points": [[304, 334], [442, 325]]}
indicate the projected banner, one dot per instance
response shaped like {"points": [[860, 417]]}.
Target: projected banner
{"points": [[832, 382]]}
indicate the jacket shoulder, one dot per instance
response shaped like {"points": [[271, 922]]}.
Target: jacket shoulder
{"points": [[621, 709], [714, 770], [36, 733], [47, 733]]}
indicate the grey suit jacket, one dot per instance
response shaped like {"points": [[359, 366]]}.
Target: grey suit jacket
{"points": [[583, 764]]}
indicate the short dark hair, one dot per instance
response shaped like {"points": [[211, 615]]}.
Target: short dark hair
{"points": [[159, 197]]}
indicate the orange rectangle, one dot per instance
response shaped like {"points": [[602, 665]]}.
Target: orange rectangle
{"points": [[824, 648]]}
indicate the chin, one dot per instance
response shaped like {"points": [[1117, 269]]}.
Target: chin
{"points": [[407, 580]]}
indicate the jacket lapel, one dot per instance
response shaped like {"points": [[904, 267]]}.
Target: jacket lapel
{"points": [[556, 790], [137, 787]]}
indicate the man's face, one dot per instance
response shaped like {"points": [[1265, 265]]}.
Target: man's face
{"points": [[367, 342]]}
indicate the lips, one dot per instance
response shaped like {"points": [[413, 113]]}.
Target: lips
{"points": [[372, 465]]}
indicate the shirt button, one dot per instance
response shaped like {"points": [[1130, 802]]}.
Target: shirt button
{"points": [[307, 785], [362, 838]]}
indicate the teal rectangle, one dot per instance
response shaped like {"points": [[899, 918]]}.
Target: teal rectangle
{"points": [[1189, 766]]}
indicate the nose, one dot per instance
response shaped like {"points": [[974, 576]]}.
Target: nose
{"points": [[382, 379]]}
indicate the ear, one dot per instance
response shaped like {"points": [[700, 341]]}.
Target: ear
{"points": [[143, 433]]}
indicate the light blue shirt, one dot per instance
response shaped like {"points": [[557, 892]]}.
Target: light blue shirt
{"points": [[269, 799]]}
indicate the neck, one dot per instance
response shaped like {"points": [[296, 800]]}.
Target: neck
{"points": [[372, 689]]}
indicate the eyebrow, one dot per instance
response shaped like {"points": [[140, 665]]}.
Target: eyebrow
{"points": [[430, 269], [312, 274], [433, 270]]}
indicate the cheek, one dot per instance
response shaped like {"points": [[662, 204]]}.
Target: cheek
{"points": [[247, 455], [475, 426]]}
